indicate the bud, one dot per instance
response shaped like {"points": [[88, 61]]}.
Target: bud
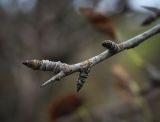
{"points": [[34, 64]]}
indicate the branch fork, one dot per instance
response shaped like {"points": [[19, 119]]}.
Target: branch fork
{"points": [[62, 69]]}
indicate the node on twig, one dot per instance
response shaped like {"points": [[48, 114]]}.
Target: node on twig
{"points": [[83, 75], [110, 45]]}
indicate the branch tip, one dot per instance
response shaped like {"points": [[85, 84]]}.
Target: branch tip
{"points": [[47, 82], [33, 64], [57, 77], [79, 86], [151, 18]]}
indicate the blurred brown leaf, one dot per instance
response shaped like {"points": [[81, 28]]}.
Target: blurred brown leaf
{"points": [[64, 106], [100, 21]]}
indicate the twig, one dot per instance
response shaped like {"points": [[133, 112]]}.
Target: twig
{"points": [[62, 69], [151, 18]]}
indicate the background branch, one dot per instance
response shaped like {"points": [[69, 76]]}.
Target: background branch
{"points": [[61, 69], [153, 17]]}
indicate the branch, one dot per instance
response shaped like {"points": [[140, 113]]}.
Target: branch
{"points": [[62, 69], [151, 18]]}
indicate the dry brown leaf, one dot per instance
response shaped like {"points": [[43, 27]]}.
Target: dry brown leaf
{"points": [[100, 21], [64, 106]]}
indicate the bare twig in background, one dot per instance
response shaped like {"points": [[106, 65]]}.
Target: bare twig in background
{"points": [[153, 17], [62, 69]]}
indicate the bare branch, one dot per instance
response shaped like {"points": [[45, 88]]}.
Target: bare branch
{"points": [[151, 18], [61, 69]]}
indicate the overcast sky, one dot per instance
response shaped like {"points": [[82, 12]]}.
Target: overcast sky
{"points": [[115, 6], [109, 6], [15, 6]]}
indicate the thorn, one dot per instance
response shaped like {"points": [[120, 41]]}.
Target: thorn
{"points": [[47, 82], [55, 78], [43, 84]]}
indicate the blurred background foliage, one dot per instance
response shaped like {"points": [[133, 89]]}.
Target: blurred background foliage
{"points": [[60, 30]]}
